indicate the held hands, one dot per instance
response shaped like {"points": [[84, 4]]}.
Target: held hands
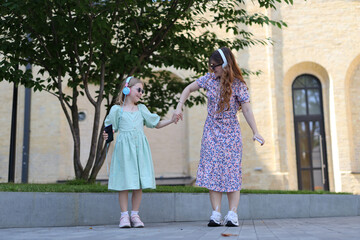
{"points": [[177, 115], [259, 138], [175, 118]]}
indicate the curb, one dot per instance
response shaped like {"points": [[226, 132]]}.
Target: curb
{"points": [[29, 209]]}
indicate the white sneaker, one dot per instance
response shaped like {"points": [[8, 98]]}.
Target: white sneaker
{"points": [[231, 219], [215, 219]]}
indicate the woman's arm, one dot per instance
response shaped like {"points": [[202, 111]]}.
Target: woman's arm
{"points": [[249, 116], [192, 87]]}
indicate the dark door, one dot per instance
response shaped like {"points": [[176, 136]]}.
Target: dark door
{"points": [[309, 134]]}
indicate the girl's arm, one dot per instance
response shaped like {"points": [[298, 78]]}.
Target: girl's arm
{"points": [[192, 87], [164, 123], [249, 116]]}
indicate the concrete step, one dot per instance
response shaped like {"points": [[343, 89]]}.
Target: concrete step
{"points": [[29, 209]]}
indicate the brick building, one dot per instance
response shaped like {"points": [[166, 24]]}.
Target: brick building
{"points": [[306, 104]]}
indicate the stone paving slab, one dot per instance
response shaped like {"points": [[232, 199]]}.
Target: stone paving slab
{"points": [[261, 229]]}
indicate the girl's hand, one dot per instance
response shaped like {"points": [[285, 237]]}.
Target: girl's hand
{"points": [[259, 138], [105, 136]]}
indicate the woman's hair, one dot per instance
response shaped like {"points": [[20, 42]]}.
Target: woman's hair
{"points": [[230, 72], [121, 97]]}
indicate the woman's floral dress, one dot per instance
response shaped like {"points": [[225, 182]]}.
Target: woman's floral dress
{"points": [[221, 146]]}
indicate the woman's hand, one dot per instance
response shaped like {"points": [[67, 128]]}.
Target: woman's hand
{"points": [[184, 95], [259, 138]]}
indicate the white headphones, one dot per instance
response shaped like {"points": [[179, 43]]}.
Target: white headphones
{"points": [[126, 90], [223, 58]]}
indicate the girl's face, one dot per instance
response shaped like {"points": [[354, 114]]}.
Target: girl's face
{"points": [[136, 92], [217, 68]]}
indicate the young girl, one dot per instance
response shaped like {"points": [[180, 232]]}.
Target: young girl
{"points": [[131, 164], [221, 147]]}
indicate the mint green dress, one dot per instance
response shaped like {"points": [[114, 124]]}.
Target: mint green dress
{"points": [[131, 165]]}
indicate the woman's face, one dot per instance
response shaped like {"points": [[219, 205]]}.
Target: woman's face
{"points": [[136, 92], [217, 68]]}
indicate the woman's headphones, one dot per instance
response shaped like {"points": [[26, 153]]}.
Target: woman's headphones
{"points": [[126, 90], [223, 58]]}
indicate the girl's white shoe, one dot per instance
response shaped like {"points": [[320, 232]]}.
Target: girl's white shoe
{"points": [[125, 222], [136, 221]]}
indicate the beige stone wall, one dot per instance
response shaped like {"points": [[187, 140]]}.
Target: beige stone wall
{"points": [[353, 111]]}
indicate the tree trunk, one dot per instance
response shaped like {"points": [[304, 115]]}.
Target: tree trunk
{"points": [[94, 143], [100, 155], [99, 161], [76, 137]]}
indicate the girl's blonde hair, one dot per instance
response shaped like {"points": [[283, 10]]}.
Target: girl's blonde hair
{"points": [[230, 72], [121, 97]]}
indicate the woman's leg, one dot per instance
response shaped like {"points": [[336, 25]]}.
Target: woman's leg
{"points": [[123, 200], [136, 199], [215, 218], [233, 198], [215, 199], [231, 218]]}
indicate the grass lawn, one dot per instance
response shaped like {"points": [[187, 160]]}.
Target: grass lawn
{"points": [[78, 186]]}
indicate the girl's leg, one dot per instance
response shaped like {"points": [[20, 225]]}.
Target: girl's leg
{"points": [[215, 199], [233, 198], [123, 200], [136, 199]]}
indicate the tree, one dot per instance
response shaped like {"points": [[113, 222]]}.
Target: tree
{"points": [[77, 43]]}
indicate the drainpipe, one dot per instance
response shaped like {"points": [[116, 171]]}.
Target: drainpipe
{"points": [[26, 140], [12, 153]]}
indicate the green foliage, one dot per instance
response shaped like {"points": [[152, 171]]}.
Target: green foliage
{"points": [[77, 182], [73, 38], [77, 186]]}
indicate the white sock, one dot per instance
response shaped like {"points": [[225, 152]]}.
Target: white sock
{"points": [[134, 213], [216, 214], [124, 213]]}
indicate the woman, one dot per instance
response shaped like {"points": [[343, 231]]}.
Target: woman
{"points": [[221, 147]]}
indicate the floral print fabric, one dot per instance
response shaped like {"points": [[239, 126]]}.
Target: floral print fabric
{"points": [[221, 146]]}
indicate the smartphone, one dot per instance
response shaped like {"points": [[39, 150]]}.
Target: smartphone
{"points": [[109, 131], [257, 139]]}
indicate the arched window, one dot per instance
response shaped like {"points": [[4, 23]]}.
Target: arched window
{"points": [[309, 133]]}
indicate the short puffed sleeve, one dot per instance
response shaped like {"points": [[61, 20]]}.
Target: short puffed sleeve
{"points": [[242, 93], [203, 81], [113, 117], [150, 119]]}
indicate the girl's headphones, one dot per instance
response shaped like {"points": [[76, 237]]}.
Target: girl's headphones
{"points": [[126, 90], [223, 58]]}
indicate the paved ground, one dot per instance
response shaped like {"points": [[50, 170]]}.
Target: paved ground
{"points": [[343, 228]]}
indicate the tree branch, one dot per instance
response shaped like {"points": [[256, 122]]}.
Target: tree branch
{"points": [[136, 25]]}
